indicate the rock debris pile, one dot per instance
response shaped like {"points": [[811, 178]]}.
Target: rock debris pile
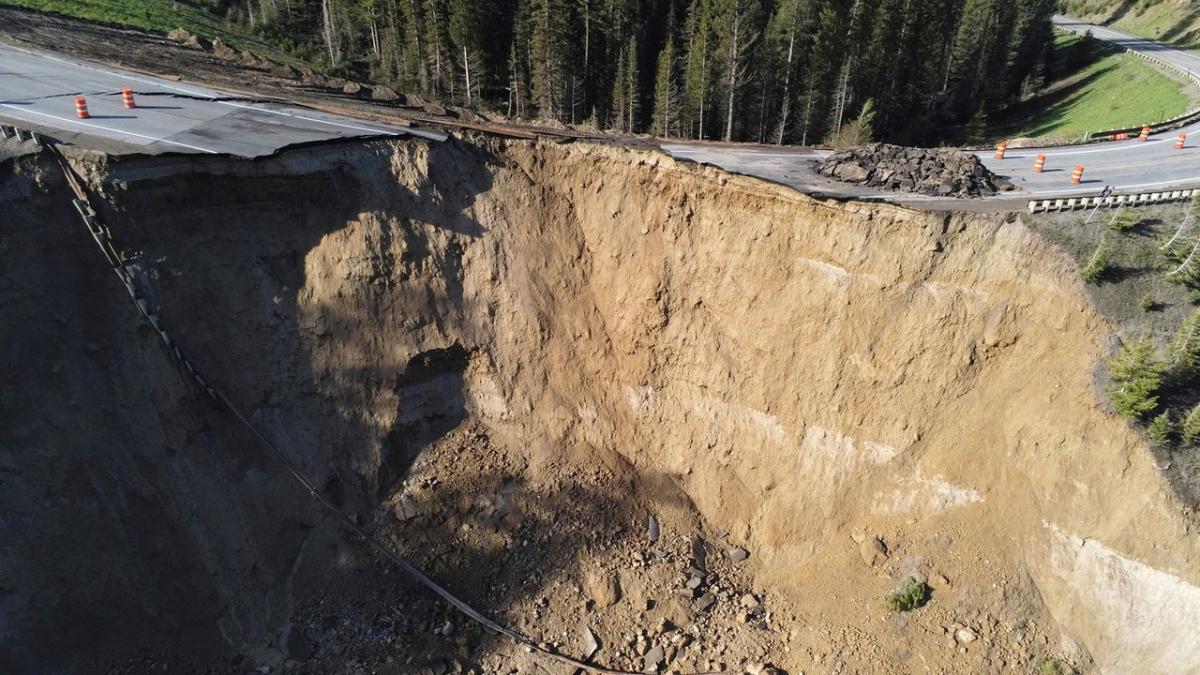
{"points": [[928, 171]]}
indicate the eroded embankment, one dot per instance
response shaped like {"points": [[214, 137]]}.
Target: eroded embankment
{"points": [[798, 372]]}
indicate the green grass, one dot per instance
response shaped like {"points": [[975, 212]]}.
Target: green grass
{"points": [[162, 16], [1170, 21], [1117, 90]]}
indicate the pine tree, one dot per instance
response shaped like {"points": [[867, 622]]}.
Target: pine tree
{"points": [[437, 48], [698, 69], [1161, 430], [625, 90], [466, 32], [1136, 374], [666, 92], [1191, 425], [930, 66], [546, 56], [1183, 353], [1097, 265], [736, 35]]}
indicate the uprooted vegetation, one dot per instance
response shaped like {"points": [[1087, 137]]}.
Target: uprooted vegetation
{"points": [[504, 358]]}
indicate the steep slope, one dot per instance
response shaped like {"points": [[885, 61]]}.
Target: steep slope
{"points": [[801, 375]]}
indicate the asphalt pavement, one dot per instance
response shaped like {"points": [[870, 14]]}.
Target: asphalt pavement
{"points": [[38, 90], [1127, 166]]}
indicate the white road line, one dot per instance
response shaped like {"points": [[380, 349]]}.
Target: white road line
{"points": [[93, 125], [310, 119]]}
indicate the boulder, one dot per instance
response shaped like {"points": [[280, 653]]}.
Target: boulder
{"points": [[938, 172]]}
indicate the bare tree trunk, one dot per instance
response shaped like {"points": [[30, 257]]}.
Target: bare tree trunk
{"points": [[734, 49], [330, 32], [808, 105], [787, 88], [703, 89], [467, 70]]}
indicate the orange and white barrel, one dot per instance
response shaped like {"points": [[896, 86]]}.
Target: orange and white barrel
{"points": [[1077, 176], [127, 98], [1181, 141], [1001, 149], [81, 110], [1039, 164], [1145, 134]]}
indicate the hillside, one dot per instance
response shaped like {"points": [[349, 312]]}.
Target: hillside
{"points": [[1175, 22], [1096, 89]]}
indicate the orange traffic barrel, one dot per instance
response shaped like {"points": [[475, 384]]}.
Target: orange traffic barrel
{"points": [[1077, 176], [1179, 143], [1001, 149], [81, 110], [1145, 134], [1039, 164], [127, 98]]}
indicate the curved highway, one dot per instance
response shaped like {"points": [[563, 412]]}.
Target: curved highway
{"points": [[1126, 166], [38, 92]]}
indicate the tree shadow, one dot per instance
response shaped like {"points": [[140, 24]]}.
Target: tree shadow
{"points": [[1051, 106]]}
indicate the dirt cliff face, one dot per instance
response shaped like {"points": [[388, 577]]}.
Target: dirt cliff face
{"points": [[804, 376]]}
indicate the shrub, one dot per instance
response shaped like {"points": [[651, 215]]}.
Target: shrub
{"points": [[858, 132], [1161, 431], [1136, 375], [1048, 666], [1183, 353], [1147, 303], [1126, 220], [909, 596], [1191, 425], [1094, 271]]}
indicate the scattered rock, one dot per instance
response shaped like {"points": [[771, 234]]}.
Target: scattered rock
{"points": [[705, 602], [873, 551], [382, 93], [938, 172], [224, 51], [749, 602], [939, 581], [604, 589], [185, 38], [652, 529], [352, 89], [738, 554], [590, 644], [965, 635], [653, 659]]}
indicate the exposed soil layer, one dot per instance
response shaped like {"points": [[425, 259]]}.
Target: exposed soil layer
{"points": [[505, 358]]}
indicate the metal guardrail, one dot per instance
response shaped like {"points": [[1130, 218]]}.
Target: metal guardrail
{"points": [[1173, 123], [1111, 201], [8, 131]]}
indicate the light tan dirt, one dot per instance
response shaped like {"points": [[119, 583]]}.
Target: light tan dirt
{"points": [[507, 356]]}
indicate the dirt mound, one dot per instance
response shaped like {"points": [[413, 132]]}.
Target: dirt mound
{"points": [[508, 360], [936, 172]]}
